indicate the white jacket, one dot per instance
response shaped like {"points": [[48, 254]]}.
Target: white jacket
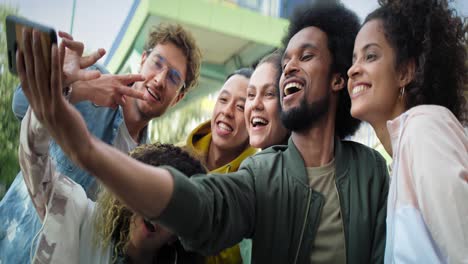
{"points": [[427, 211]]}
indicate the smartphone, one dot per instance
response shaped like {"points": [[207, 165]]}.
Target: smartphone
{"points": [[14, 32]]}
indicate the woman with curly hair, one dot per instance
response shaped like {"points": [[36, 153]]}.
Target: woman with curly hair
{"points": [[407, 79], [78, 230]]}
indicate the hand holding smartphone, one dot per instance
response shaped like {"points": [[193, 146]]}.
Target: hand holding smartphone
{"points": [[14, 31]]}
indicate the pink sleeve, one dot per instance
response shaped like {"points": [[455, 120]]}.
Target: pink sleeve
{"points": [[36, 166], [437, 151]]}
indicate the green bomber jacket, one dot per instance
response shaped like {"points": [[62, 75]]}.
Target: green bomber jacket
{"points": [[270, 201]]}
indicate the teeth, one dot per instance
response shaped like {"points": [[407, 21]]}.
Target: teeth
{"points": [[359, 89], [259, 121], [155, 96], [292, 87], [224, 126]]}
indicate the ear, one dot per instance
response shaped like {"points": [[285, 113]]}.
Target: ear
{"points": [[407, 71], [144, 56], [337, 82], [178, 98]]}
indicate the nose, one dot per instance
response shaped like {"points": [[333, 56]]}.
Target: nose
{"points": [[354, 70], [228, 109], [161, 77], [257, 103], [290, 68]]}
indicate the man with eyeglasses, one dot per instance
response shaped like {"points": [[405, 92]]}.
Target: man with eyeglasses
{"points": [[117, 110]]}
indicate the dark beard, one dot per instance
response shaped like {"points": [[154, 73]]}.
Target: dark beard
{"points": [[305, 115]]}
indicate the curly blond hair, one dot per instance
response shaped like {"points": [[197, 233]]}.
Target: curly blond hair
{"points": [[112, 218], [184, 40], [112, 222]]}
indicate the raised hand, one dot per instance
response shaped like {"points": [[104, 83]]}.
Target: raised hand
{"points": [[44, 92], [133, 182], [108, 90], [73, 61]]}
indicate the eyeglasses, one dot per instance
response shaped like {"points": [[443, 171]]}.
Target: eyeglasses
{"points": [[173, 76]]}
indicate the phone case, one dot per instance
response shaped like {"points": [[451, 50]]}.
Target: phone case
{"points": [[14, 28]]}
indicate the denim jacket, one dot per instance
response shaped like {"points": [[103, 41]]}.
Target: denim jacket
{"points": [[18, 217]]}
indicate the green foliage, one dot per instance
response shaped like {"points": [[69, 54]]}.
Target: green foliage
{"points": [[9, 125]]}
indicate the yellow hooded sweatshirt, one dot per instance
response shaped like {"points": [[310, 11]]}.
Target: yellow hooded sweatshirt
{"points": [[198, 143]]}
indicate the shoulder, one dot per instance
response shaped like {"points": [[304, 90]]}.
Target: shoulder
{"points": [[265, 158], [363, 161], [358, 151], [93, 113], [271, 152], [431, 123]]}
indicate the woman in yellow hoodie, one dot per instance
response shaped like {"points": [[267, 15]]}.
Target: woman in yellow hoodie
{"points": [[222, 143]]}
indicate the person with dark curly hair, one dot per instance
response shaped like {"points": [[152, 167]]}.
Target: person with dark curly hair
{"points": [[291, 200], [407, 79], [77, 230]]}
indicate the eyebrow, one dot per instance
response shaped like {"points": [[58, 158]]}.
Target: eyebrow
{"points": [[366, 47], [224, 92], [301, 48], [266, 85], [241, 98]]}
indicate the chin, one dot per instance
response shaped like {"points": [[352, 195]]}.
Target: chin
{"points": [[355, 112], [256, 144], [261, 144]]}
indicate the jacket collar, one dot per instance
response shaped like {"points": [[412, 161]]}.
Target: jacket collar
{"points": [[296, 166]]}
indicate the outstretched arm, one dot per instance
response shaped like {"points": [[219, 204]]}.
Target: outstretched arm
{"points": [[145, 189]]}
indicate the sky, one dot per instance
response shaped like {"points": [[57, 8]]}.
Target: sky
{"points": [[97, 22]]}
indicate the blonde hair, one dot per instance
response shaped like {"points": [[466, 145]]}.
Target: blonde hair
{"points": [[112, 218], [112, 222]]}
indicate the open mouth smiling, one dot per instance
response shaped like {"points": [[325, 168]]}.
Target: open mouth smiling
{"points": [[258, 121], [224, 126], [292, 87], [154, 95], [359, 89]]}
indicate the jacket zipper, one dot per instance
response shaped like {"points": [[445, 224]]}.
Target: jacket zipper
{"points": [[342, 224], [309, 196]]}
